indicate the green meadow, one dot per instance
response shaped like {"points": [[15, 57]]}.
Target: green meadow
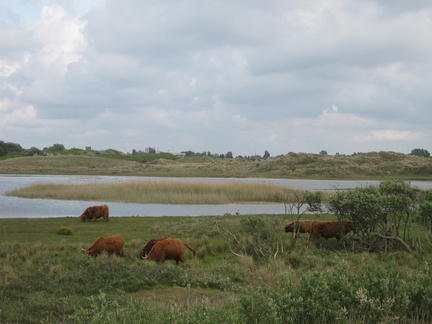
{"points": [[248, 270]]}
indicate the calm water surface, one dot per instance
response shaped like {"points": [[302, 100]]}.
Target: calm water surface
{"points": [[24, 208]]}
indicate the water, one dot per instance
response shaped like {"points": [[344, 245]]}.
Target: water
{"points": [[14, 207]]}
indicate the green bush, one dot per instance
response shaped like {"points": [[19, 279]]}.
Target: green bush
{"points": [[64, 230], [378, 294]]}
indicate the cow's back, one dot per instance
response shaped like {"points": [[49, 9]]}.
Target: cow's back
{"points": [[168, 249], [330, 229], [111, 244], [95, 212], [150, 244], [306, 226], [115, 242]]}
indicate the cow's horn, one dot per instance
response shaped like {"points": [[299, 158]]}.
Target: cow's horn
{"points": [[83, 249]]}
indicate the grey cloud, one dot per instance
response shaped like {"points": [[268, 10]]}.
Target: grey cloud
{"points": [[239, 76]]}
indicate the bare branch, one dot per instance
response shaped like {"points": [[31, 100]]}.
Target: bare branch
{"points": [[397, 239], [218, 228]]}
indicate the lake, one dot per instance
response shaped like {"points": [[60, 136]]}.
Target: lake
{"points": [[14, 207]]}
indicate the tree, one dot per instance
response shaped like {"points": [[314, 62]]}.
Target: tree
{"points": [[229, 155], [382, 215], [7, 148], [420, 152], [189, 153], [399, 201], [55, 148], [33, 151], [266, 155], [299, 202], [323, 152], [425, 209]]}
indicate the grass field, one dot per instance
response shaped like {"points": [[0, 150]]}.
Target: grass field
{"points": [[46, 278]]}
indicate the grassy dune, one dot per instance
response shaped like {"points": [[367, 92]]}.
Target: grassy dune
{"points": [[373, 165], [46, 278], [170, 192]]}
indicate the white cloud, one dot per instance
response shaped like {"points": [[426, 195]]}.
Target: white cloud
{"points": [[61, 37], [389, 135], [12, 117]]}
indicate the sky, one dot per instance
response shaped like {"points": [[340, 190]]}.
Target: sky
{"points": [[340, 76]]}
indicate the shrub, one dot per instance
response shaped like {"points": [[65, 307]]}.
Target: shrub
{"points": [[377, 294], [64, 230]]}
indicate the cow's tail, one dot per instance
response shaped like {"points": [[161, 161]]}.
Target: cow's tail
{"points": [[190, 248]]}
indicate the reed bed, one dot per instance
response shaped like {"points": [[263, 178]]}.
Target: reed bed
{"points": [[169, 192]]}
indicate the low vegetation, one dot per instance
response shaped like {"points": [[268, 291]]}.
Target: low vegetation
{"points": [[163, 192], [373, 165], [46, 278]]}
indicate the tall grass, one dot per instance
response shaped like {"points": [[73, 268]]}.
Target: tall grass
{"points": [[164, 192]]}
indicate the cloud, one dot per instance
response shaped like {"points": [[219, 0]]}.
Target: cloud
{"points": [[390, 135], [93, 133], [221, 76], [16, 117]]}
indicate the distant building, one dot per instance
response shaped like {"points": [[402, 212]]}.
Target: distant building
{"points": [[88, 149], [150, 150], [182, 154]]}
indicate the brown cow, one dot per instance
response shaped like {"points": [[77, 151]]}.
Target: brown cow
{"points": [[147, 248], [169, 249], [111, 244], [331, 229], [95, 212], [300, 227]]}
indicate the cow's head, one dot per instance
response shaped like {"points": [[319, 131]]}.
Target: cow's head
{"points": [[289, 227], [87, 252], [143, 255], [83, 218], [146, 257]]}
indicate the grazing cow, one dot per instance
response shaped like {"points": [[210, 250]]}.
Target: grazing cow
{"points": [[147, 248], [331, 229], [111, 244], [169, 249], [95, 212], [299, 227]]}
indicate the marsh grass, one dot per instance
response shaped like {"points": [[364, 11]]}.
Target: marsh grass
{"points": [[163, 192]]}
